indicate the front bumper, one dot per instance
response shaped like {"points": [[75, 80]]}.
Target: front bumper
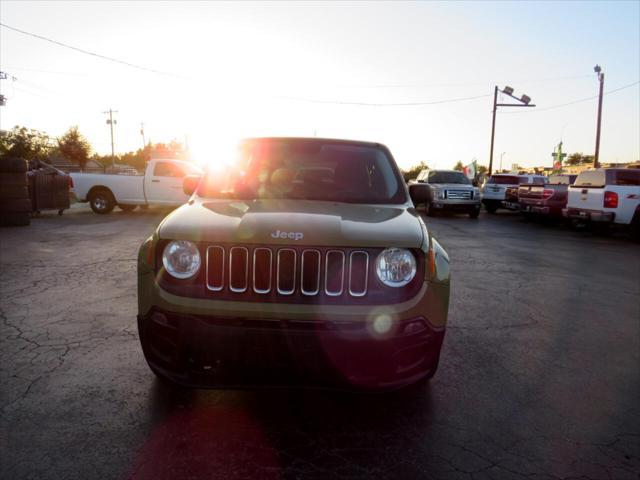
{"points": [[459, 207], [210, 343], [207, 351], [540, 208], [597, 216]]}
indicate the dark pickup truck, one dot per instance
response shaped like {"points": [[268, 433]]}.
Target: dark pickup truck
{"points": [[547, 199]]}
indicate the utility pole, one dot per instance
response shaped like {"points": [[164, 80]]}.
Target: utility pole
{"points": [[144, 143], [5, 76], [523, 102], [600, 74], [111, 122], [501, 155]]}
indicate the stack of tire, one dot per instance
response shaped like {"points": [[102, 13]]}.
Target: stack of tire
{"points": [[15, 205]]}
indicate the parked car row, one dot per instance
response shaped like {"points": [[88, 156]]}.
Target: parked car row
{"points": [[603, 197]]}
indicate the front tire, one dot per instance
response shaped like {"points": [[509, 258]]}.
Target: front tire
{"points": [[491, 207], [428, 207], [101, 201]]}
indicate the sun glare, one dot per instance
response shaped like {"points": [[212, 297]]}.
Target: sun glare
{"points": [[213, 156]]}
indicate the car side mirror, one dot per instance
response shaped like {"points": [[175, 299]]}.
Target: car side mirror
{"points": [[419, 193], [190, 183]]}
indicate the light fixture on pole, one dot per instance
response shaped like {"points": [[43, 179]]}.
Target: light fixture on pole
{"points": [[523, 101]]}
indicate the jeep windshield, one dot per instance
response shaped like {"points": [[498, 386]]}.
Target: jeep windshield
{"points": [[308, 169], [448, 177]]}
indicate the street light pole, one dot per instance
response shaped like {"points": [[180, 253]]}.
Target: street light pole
{"points": [[523, 102], [501, 155], [600, 73], [493, 128]]}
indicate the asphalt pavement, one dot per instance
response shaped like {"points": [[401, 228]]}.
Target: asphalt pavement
{"points": [[539, 376]]}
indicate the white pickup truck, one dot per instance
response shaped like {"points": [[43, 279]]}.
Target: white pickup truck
{"points": [[161, 184], [606, 196]]}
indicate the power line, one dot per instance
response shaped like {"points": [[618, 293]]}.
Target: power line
{"points": [[586, 99], [463, 84], [367, 104], [49, 71], [87, 52]]}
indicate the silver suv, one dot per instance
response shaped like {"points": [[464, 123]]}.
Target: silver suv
{"points": [[445, 190]]}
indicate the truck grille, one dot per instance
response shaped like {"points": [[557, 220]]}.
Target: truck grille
{"points": [[459, 194], [287, 271]]}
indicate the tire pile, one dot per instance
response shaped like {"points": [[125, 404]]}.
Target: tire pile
{"points": [[15, 204]]}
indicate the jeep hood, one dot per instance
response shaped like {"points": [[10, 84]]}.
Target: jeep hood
{"points": [[294, 222]]}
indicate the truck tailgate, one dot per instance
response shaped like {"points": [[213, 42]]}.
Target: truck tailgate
{"points": [[533, 192], [587, 198]]}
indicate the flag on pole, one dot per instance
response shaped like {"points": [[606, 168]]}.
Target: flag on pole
{"points": [[470, 170]]}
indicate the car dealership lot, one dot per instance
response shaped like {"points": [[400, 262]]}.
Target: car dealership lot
{"points": [[539, 375]]}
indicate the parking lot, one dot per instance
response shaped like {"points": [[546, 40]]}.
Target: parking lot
{"points": [[539, 375]]}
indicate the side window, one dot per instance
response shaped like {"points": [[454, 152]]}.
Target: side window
{"points": [[166, 169], [630, 177]]}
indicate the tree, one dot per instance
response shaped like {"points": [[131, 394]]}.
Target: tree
{"points": [[459, 166], [579, 158], [413, 172], [74, 147], [25, 143], [482, 169]]}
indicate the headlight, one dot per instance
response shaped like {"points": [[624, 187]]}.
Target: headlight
{"points": [[440, 194], [396, 267], [181, 259]]}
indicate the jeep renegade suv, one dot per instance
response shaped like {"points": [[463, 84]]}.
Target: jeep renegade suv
{"points": [[305, 263]]}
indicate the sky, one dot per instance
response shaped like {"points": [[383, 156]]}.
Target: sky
{"points": [[418, 77]]}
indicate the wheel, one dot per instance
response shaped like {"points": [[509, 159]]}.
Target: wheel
{"points": [[491, 207], [13, 191], [635, 227], [101, 201], [474, 213], [431, 212], [16, 205], [13, 164], [15, 219], [13, 180], [127, 208]]}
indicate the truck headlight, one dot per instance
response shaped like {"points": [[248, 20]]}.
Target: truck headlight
{"points": [[440, 194], [181, 259], [395, 267]]}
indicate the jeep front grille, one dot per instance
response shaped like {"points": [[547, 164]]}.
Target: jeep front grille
{"points": [[459, 194], [287, 271]]}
